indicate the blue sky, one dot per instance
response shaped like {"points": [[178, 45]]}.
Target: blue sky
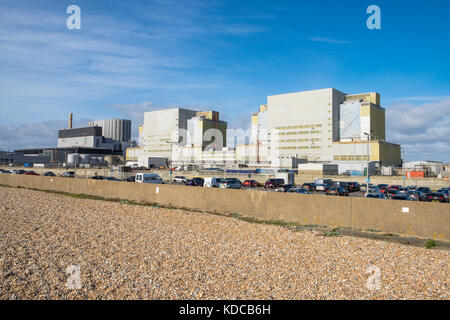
{"points": [[134, 56]]}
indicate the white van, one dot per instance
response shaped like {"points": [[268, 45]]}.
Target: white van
{"points": [[212, 182], [148, 178]]}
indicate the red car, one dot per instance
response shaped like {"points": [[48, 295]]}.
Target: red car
{"points": [[251, 184], [30, 173], [273, 183]]}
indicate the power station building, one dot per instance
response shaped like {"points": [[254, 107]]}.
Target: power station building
{"points": [[319, 126], [115, 129]]}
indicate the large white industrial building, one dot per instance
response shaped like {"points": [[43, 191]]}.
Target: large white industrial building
{"points": [[321, 126]]}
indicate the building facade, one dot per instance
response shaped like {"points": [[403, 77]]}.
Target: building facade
{"points": [[114, 129]]}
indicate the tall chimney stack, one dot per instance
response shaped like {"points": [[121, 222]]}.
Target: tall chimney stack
{"points": [[70, 120]]}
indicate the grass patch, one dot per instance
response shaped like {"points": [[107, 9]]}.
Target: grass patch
{"points": [[430, 244], [333, 233]]}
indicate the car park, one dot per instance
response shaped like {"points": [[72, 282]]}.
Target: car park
{"points": [[180, 179], [230, 183], [212, 182], [436, 197], [284, 187], [273, 183], [337, 191], [251, 184], [376, 196], [299, 190], [68, 174]]}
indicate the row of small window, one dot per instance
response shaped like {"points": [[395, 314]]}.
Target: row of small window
{"points": [[299, 148], [350, 158], [301, 140], [299, 132], [300, 127]]}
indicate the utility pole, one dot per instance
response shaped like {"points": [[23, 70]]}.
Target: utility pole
{"points": [[369, 135], [170, 161]]}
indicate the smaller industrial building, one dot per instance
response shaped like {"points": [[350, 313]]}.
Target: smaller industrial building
{"points": [[65, 157]]}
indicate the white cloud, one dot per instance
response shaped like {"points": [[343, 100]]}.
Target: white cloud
{"points": [[328, 40], [34, 134], [423, 131]]}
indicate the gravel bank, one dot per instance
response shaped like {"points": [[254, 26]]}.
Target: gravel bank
{"points": [[138, 252]]}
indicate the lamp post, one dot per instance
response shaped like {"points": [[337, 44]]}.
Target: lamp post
{"points": [[170, 161], [368, 160]]}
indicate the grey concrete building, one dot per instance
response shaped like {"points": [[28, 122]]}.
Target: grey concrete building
{"points": [[115, 129]]}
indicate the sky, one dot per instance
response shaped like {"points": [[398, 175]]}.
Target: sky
{"points": [[135, 56]]}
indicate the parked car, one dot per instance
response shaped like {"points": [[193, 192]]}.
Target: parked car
{"points": [[273, 183], [401, 196], [284, 187], [112, 179], [30, 173], [5, 171], [341, 184], [364, 186], [374, 189], [311, 187], [212, 182], [391, 193], [415, 196], [444, 191], [383, 185], [130, 179], [354, 187], [412, 188], [322, 187], [195, 182], [20, 171], [96, 177], [337, 191], [376, 196], [436, 197], [68, 174], [383, 189], [230, 183], [148, 178], [251, 184], [180, 179], [425, 190], [395, 187], [299, 190], [49, 174]]}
